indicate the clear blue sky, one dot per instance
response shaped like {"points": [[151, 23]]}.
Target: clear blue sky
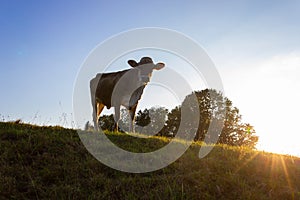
{"points": [[254, 44]]}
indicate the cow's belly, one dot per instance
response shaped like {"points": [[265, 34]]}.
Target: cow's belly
{"points": [[125, 100]]}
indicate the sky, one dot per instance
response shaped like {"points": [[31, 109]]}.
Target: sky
{"points": [[255, 46]]}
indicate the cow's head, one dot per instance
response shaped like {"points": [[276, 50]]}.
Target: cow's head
{"points": [[145, 68]]}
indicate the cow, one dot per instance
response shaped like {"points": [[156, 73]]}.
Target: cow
{"points": [[122, 88]]}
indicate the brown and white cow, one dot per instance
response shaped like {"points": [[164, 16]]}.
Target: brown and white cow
{"points": [[121, 88]]}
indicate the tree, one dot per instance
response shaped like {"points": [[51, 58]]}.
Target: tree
{"points": [[172, 123], [151, 121], [106, 122], [143, 118], [214, 106]]}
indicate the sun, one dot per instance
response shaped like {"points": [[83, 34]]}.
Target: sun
{"points": [[280, 145]]}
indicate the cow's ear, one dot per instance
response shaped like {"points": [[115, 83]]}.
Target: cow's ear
{"points": [[159, 66], [132, 63]]}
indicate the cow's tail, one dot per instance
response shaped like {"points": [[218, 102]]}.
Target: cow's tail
{"points": [[93, 87]]}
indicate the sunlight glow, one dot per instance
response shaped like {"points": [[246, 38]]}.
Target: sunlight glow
{"points": [[287, 177], [266, 92]]}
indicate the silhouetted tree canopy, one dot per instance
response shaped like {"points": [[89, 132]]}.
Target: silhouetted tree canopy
{"points": [[213, 106], [151, 121], [106, 122]]}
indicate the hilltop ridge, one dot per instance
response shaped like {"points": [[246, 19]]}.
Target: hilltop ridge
{"points": [[51, 162]]}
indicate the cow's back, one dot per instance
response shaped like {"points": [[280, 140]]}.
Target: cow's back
{"points": [[103, 85]]}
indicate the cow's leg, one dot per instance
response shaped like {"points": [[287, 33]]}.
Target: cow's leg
{"points": [[99, 109], [95, 114], [132, 117], [117, 118]]}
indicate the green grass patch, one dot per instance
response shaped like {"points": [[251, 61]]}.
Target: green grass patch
{"points": [[52, 163]]}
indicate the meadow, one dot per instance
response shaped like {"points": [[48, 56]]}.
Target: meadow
{"points": [[39, 162]]}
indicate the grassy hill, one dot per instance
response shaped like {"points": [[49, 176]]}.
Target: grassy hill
{"points": [[52, 163]]}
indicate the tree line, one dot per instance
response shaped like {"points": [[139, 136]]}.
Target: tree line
{"points": [[212, 106]]}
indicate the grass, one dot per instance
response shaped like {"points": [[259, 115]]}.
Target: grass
{"points": [[52, 163]]}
